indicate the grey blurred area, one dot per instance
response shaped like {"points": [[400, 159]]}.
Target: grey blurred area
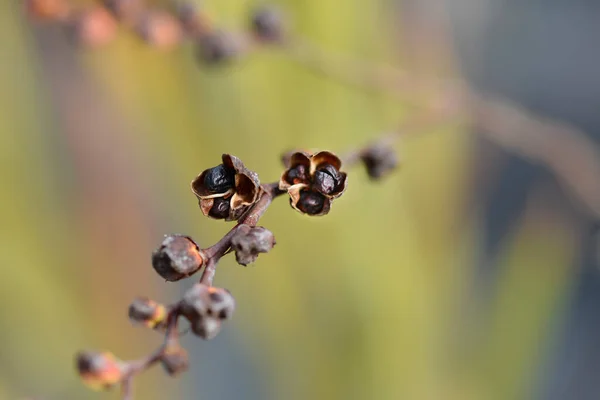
{"points": [[543, 55]]}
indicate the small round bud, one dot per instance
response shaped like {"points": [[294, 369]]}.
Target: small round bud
{"points": [[207, 327], [310, 202], [267, 24], [93, 27], [160, 29], [48, 10], [379, 161], [216, 47], [220, 208], [175, 360], [98, 370], [147, 312], [249, 242], [219, 179], [178, 257]]}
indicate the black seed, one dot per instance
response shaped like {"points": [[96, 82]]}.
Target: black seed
{"points": [[311, 202], [297, 175], [220, 208], [324, 182], [219, 179]]}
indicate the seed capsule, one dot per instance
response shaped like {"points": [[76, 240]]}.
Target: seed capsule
{"points": [[178, 257], [147, 312], [175, 360], [98, 370]]}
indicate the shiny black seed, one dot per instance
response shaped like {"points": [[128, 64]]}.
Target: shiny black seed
{"points": [[219, 179], [297, 174], [324, 182], [311, 202], [220, 208]]}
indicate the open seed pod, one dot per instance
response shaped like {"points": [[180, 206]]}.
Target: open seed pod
{"points": [[227, 190], [308, 201], [297, 169]]}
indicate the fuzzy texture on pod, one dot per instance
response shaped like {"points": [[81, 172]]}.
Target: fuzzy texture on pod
{"points": [[177, 257], [267, 24], [175, 360], [248, 242], [313, 181], [227, 190], [379, 161], [147, 312], [98, 370]]}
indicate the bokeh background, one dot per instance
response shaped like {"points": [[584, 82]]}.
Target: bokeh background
{"points": [[468, 274]]}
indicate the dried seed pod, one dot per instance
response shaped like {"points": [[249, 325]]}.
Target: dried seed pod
{"points": [[93, 27], [326, 175], [175, 360], [379, 161], [147, 312], [98, 370], [207, 327], [47, 10], [308, 201], [178, 257], [221, 303], [267, 24], [248, 242], [160, 29], [227, 190]]}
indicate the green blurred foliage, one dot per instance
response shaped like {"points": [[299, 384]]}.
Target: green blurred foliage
{"points": [[98, 149]]}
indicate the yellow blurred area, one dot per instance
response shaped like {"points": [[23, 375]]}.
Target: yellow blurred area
{"points": [[97, 151]]}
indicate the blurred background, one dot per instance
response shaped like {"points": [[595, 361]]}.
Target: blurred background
{"points": [[470, 273]]}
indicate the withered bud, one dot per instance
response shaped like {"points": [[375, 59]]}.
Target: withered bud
{"points": [[379, 161], [178, 257], [311, 203], [98, 370], [147, 312], [93, 27], [217, 47], [248, 242], [267, 24], [207, 327], [219, 179], [160, 29], [220, 208], [175, 360], [49, 10]]}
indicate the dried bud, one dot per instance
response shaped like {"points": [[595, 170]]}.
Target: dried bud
{"points": [[248, 242], [99, 370], [49, 10], [379, 160], [202, 301], [267, 24], [93, 27], [175, 360], [217, 47], [178, 257], [207, 327], [125, 10], [147, 312], [160, 29]]}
